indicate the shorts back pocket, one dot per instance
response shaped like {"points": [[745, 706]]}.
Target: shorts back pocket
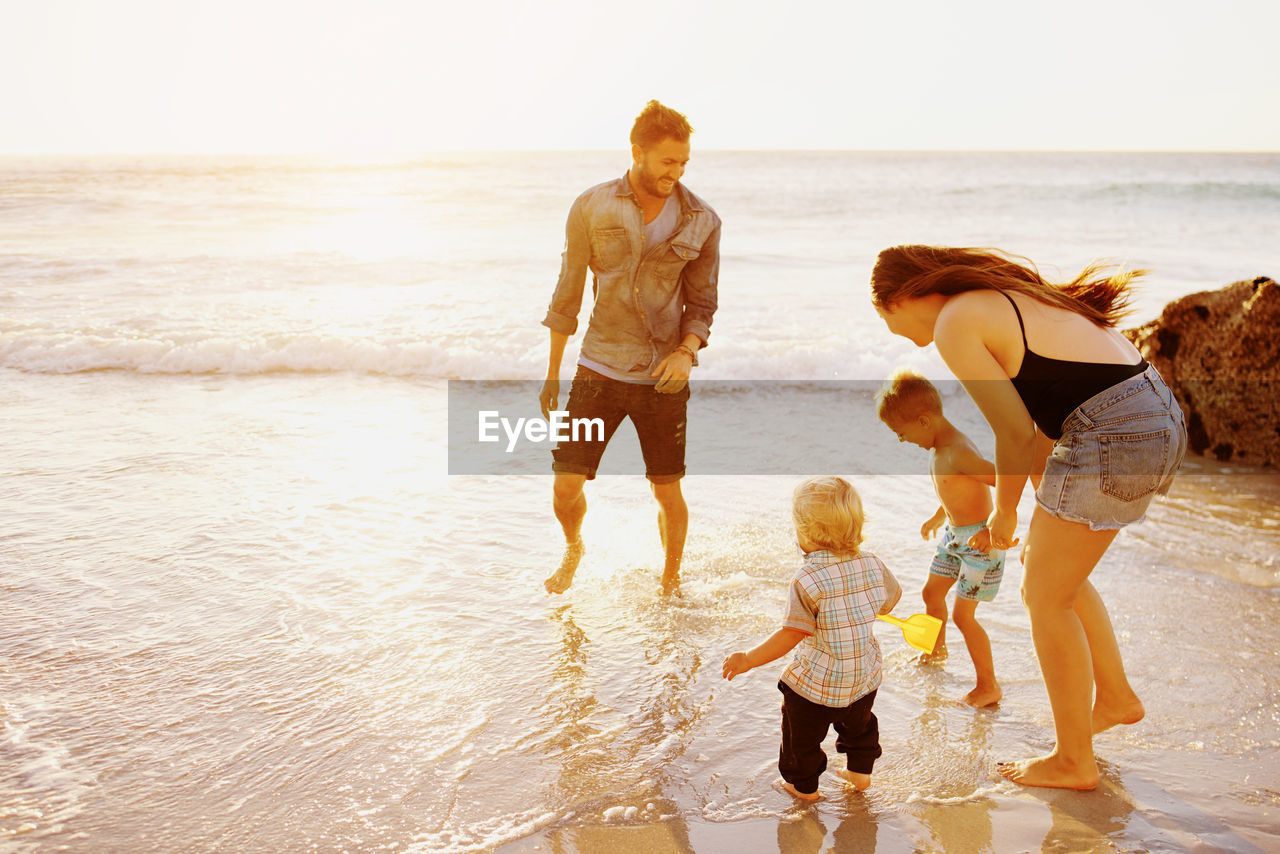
{"points": [[1133, 464]]}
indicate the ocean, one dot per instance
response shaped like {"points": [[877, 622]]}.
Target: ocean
{"points": [[247, 607]]}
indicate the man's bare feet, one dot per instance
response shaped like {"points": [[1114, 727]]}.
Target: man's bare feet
{"points": [[671, 584], [1051, 772], [983, 695], [856, 779], [1106, 715], [791, 790], [563, 577]]}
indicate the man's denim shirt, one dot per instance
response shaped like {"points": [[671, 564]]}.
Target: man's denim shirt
{"points": [[646, 298]]}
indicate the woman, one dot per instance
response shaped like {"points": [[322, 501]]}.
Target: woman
{"points": [[1075, 407]]}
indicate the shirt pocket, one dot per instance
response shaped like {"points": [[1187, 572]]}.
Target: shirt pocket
{"points": [[674, 260], [686, 253], [610, 249], [1133, 464]]}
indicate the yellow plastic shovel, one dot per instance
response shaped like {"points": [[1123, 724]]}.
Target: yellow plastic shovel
{"points": [[919, 630]]}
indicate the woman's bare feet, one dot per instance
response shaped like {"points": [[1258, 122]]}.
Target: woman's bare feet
{"points": [[1106, 715], [858, 780], [563, 577], [1051, 772], [983, 696], [791, 790]]}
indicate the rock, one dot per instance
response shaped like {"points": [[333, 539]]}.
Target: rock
{"points": [[1220, 353]]}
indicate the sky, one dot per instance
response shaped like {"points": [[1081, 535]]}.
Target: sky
{"points": [[376, 76]]}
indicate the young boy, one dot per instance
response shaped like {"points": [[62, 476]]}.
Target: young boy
{"points": [[833, 603], [911, 407]]}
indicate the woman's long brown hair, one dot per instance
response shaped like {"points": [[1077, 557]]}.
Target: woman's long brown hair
{"points": [[906, 272]]}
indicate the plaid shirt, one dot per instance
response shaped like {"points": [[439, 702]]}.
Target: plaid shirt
{"points": [[835, 600]]}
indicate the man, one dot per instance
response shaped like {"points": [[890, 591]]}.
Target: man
{"points": [[653, 249]]}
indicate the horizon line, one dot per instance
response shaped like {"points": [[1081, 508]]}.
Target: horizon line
{"points": [[377, 154]]}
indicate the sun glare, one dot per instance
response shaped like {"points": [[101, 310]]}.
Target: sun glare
{"points": [[377, 233]]}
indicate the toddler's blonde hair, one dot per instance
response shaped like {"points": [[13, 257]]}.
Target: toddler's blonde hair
{"points": [[828, 515], [907, 395]]}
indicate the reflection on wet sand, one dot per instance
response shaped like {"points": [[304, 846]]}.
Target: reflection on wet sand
{"points": [[1081, 821], [601, 747], [645, 751], [957, 817], [1131, 808], [856, 831]]}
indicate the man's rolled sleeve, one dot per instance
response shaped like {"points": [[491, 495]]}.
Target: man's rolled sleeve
{"points": [[701, 280], [802, 613], [566, 301]]}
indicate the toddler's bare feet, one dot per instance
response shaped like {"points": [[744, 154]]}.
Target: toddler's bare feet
{"points": [[791, 790], [563, 577], [983, 695], [858, 780], [1052, 772], [1106, 715]]}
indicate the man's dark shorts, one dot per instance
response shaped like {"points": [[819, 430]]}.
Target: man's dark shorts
{"points": [[659, 419]]}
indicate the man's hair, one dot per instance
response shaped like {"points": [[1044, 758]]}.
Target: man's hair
{"points": [[828, 515], [656, 123], [907, 395]]}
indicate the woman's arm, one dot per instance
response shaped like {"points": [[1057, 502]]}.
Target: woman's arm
{"points": [[1044, 447], [960, 339]]}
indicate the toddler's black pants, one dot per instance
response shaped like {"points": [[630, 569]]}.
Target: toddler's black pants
{"points": [[801, 759]]}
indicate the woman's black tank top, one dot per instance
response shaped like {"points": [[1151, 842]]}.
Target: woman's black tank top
{"points": [[1051, 389]]}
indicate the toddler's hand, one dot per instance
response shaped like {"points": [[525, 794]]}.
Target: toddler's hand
{"points": [[735, 665], [928, 529]]}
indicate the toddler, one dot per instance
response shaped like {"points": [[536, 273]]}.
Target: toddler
{"points": [[832, 679]]}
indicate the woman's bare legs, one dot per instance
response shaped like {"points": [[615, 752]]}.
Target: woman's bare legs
{"points": [[1075, 645]]}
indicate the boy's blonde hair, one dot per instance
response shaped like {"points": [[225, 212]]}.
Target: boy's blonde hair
{"points": [[828, 515], [907, 395]]}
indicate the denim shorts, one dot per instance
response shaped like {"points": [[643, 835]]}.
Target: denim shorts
{"points": [[1119, 449], [659, 419]]}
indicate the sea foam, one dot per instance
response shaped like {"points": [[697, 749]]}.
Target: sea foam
{"points": [[71, 352]]}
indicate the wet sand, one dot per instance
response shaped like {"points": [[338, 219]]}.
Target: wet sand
{"points": [[1199, 630]]}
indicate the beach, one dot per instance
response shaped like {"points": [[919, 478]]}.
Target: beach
{"points": [[252, 603]]}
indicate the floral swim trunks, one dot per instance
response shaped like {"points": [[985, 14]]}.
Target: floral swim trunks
{"points": [[978, 573]]}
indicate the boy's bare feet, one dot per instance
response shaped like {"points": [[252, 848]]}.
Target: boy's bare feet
{"points": [[856, 779], [938, 656], [1107, 715], [563, 577], [1051, 772], [791, 790], [983, 695]]}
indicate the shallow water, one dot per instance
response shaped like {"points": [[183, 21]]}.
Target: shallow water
{"points": [[253, 614], [246, 608]]}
